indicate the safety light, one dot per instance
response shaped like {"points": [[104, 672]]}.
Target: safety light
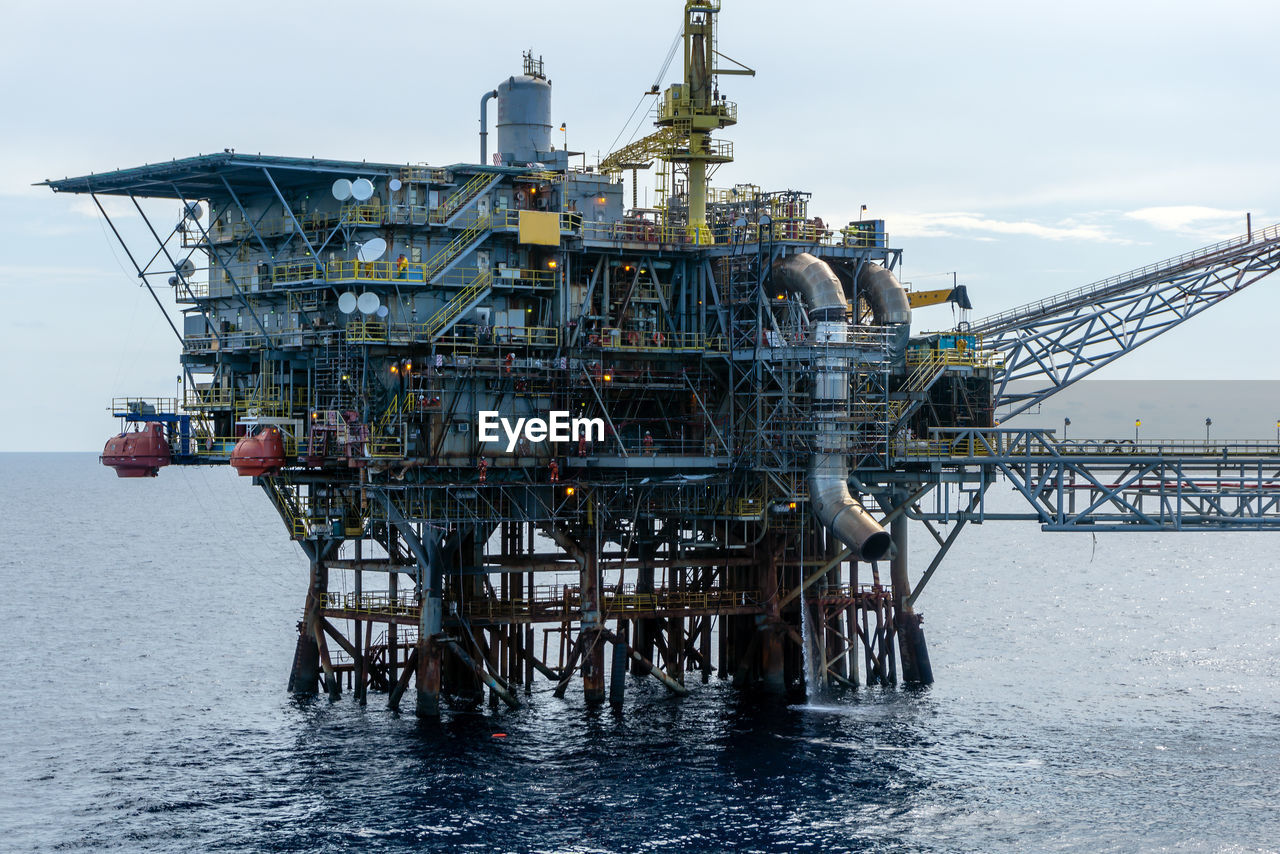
{"points": [[408, 365], [394, 369], [568, 490], [792, 506], [551, 265], [782, 296], [608, 378]]}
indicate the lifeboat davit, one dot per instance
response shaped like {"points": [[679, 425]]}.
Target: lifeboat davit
{"points": [[139, 454], [261, 453]]}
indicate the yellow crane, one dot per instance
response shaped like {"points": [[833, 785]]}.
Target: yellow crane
{"points": [[690, 111], [958, 295]]}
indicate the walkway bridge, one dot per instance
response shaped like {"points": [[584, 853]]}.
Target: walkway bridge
{"points": [[1062, 339]]}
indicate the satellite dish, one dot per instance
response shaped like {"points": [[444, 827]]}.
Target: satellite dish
{"points": [[373, 250], [382, 311], [394, 184], [194, 210], [740, 222], [342, 189], [173, 281], [184, 268], [347, 302], [368, 303], [361, 189]]}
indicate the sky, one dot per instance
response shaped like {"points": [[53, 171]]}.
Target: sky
{"points": [[1028, 147]]}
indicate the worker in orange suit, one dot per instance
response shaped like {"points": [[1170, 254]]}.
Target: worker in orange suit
{"points": [[555, 471], [508, 362], [647, 442], [482, 466]]}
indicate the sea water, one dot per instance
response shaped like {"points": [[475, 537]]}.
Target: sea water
{"points": [[1112, 694]]}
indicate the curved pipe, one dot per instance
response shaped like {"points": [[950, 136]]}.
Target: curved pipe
{"points": [[889, 305], [835, 506], [484, 125]]}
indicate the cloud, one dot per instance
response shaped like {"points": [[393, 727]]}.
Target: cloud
{"points": [[1192, 219], [976, 226]]}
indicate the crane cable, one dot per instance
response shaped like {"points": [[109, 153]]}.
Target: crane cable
{"points": [[657, 83]]}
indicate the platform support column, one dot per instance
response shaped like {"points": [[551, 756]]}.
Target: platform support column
{"points": [[772, 662], [646, 628], [592, 646], [618, 672], [430, 624], [911, 646], [393, 638], [360, 680], [304, 678]]}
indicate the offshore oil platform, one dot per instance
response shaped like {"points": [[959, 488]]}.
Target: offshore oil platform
{"points": [[520, 424]]}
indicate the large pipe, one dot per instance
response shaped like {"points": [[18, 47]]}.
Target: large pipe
{"points": [[834, 505], [484, 125], [889, 306]]}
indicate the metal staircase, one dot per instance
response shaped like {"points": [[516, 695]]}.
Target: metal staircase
{"points": [[287, 505], [478, 185], [918, 382], [468, 239], [442, 321]]}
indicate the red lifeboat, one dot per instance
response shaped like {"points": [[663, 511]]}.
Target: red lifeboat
{"points": [[261, 453], [139, 454]]}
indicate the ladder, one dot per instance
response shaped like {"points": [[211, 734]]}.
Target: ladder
{"points": [[287, 504]]}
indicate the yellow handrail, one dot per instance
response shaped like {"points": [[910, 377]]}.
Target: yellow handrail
{"points": [[366, 331], [635, 339], [460, 197], [455, 248], [455, 306]]}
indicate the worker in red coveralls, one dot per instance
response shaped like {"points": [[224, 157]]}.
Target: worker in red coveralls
{"points": [[582, 445], [555, 471], [647, 442], [508, 362], [482, 466]]}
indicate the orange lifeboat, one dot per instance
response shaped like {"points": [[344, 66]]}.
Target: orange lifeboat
{"points": [[139, 454], [261, 453]]}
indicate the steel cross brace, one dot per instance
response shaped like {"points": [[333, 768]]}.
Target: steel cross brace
{"points": [[1063, 339]]}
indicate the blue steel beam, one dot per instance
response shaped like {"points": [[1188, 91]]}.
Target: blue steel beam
{"points": [[1125, 486]]}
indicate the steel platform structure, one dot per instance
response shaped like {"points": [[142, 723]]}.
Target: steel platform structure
{"points": [[752, 371]]}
